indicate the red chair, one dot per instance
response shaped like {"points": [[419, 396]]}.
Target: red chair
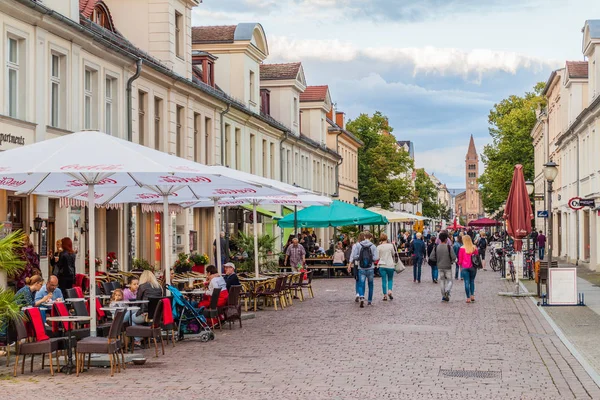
{"points": [[168, 322]]}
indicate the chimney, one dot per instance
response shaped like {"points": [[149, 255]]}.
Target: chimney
{"points": [[330, 114], [265, 101], [206, 61], [340, 120]]}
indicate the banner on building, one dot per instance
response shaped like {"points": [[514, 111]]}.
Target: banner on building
{"points": [[157, 236]]}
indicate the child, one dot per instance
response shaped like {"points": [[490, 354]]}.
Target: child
{"points": [[131, 292], [116, 300]]}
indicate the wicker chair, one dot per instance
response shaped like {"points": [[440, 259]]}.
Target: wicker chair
{"points": [[277, 293], [233, 309]]}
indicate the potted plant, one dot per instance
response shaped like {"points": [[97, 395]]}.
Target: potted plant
{"points": [[182, 264], [199, 261], [142, 264], [110, 259]]}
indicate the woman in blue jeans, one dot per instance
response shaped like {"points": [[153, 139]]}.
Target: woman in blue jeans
{"points": [[468, 271], [386, 266], [434, 269]]}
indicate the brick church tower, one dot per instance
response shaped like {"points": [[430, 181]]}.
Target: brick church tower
{"points": [[473, 206]]}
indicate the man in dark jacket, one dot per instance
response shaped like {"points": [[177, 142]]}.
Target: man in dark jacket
{"points": [[419, 250], [231, 278], [444, 256]]}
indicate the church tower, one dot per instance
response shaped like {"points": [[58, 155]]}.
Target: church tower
{"points": [[473, 200]]}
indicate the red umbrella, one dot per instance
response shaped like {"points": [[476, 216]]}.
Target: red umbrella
{"points": [[518, 213], [484, 222]]}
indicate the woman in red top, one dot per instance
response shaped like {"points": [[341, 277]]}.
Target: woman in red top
{"points": [[468, 270]]}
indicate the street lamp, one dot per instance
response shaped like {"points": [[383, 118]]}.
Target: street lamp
{"points": [[530, 187], [550, 173], [361, 204]]}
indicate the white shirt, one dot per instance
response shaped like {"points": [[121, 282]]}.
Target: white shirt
{"points": [[386, 255], [216, 283]]}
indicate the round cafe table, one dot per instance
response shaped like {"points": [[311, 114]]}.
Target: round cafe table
{"points": [[68, 369]]}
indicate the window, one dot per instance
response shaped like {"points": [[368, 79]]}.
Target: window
{"points": [[289, 166], [272, 156], [472, 166], [15, 65], [90, 92], [142, 118], [179, 35], [264, 159], [157, 122], [227, 145], [252, 154], [56, 99], [296, 111], [197, 137], [110, 106], [252, 86], [207, 133], [179, 142], [238, 148]]}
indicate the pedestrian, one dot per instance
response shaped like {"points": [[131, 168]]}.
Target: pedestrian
{"points": [[541, 242], [534, 236], [434, 269], [366, 254], [386, 252], [469, 272], [418, 251], [224, 251], [65, 265], [444, 257], [296, 255], [482, 244], [353, 265], [456, 247]]}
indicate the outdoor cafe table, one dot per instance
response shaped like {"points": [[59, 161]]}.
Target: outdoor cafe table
{"points": [[111, 309], [253, 282], [68, 369]]}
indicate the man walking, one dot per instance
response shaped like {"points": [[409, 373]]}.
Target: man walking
{"points": [[353, 265], [419, 250], [444, 256], [224, 251], [366, 254], [296, 254], [541, 242]]}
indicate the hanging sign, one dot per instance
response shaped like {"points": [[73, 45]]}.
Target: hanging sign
{"points": [[157, 236], [577, 203]]}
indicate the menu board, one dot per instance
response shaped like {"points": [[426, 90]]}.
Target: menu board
{"points": [[562, 286]]}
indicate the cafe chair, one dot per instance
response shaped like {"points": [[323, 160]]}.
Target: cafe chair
{"points": [[81, 310], [152, 331], [307, 285], [213, 311], [297, 285], [276, 294], [42, 344], [168, 322], [110, 345], [233, 309]]}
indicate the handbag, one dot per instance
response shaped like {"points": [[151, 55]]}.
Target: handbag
{"points": [[432, 261], [476, 261], [398, 264]]}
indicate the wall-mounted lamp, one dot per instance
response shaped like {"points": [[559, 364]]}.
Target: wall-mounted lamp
{"points": [[85, 228], [37, 224]]}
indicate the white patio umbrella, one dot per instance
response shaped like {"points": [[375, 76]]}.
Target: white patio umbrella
{"points": [[303, 200], [85, 160]]}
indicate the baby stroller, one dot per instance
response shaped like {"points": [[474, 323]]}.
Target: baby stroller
{"points": [[187, 315]]}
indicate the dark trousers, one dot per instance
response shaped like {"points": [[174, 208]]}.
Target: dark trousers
{"points": [[417, 262]]}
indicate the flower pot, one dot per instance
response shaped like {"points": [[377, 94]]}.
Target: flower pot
{"points": [[198, 268]]}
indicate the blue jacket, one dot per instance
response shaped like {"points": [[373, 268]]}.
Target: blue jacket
{"points": [[418, 248]]}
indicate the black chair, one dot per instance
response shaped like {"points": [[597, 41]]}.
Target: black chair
{"points": [[152, 331], [71, 293], [107, 288], [78, 333], [81, 311], [212, 311], [233, 309], [116, 285]]}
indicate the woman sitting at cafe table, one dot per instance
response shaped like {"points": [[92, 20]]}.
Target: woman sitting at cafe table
{"points": [[25, 296], [214, 281]]}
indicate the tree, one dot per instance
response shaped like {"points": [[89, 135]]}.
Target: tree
{"points": [[426, 191], [382, 167], [511, 122]]}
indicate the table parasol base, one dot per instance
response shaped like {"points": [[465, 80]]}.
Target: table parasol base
{"points": [[68, 369]]}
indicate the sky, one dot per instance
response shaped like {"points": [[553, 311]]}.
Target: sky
{"points": [[434, 67]]}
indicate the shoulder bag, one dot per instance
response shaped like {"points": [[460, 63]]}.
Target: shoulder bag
{"points": [[398, 264], [476, 260]]}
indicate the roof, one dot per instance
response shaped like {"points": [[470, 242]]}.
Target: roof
{"points": [[213, 34], [577, 69], [86, 7], [272, 72], [314, 93], [472, 149], [594, 28], [456, 192], [336, 128]]}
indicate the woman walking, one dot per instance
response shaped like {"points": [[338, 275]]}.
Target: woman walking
{"points": [[386, 266], [65, 265], [456, 247], [434, 269], [468, 270]]}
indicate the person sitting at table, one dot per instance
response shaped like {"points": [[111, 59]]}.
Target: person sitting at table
{"points": [[25, 296], [241, 255], [339, 258], [50, 289], [149, 287], [214, 281], [117, 299], [231, 278], [319, 249], [130, 292]]}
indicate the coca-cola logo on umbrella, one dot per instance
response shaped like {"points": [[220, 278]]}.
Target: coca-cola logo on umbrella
{"points": [[179, 179], [151, 196], [184, 168], [287, 201], [234, 191], [231, 202], [97, 167], [105, 181], [96, 195], [5, 181]]}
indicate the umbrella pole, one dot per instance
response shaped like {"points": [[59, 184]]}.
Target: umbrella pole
{"points": [[296, 221], [256, 268], [92, 258], [217, 235], [165, 235]]}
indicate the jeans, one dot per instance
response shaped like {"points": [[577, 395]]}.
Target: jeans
{"points": [[542, 250], [456, 271], [446, 278], [434, 273], [417, 268], [363, 276], [138, 320], [387, 279], [468, 275]]}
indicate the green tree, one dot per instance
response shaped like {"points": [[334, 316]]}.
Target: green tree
{"points": [[511, 122], [382, 167], [426, 191]]}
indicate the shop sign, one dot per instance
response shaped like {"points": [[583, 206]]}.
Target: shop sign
{"points": [[577, 203], [157, 237]]}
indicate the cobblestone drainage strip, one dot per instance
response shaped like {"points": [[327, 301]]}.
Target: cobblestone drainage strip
{"points": [[465, 373]]}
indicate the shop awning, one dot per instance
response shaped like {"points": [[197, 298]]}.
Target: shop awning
{"points": [[263, 212]]}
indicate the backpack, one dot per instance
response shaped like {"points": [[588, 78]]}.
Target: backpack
{"points": [[482, 244], [476, 261], [365, 257]]}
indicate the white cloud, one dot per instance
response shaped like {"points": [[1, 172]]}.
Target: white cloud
{"points": [[426, 60]]}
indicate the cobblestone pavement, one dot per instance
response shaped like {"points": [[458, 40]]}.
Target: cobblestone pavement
{"points": [[328, 348]]}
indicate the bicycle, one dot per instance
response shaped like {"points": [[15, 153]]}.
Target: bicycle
{"points": [[528, 270], [511, 265], [496, 259]]}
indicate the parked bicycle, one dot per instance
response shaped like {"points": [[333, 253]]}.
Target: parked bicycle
{"points": [[529, 256], [496, 259]]}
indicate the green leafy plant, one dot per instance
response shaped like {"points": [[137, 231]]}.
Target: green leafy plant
{"points": [[266, 247], [183, 263], [10, 261], [9, 309], [140, 263], [199, 259]]}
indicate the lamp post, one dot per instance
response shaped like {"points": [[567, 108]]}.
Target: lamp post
{"points": [[359, 203], [550, 173], [530, 189]]}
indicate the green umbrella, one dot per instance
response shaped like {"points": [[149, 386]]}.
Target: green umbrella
{"points": [[337, 214]]}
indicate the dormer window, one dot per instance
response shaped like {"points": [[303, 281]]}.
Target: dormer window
{"points": [[252, 86], [204, 66], [101, 16], [265, 101]]}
